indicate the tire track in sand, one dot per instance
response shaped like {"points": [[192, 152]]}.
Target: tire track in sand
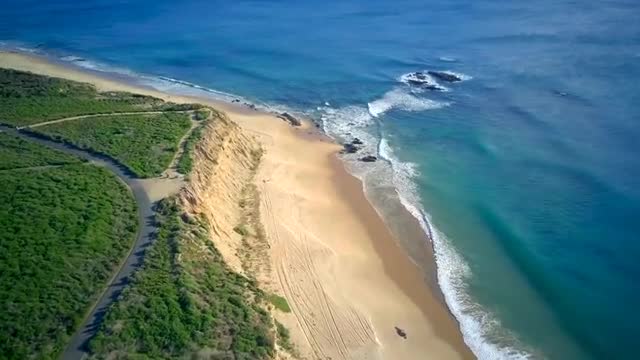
{"points": [[332, 327]]}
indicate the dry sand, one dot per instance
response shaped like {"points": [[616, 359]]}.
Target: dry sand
{"points": [[348, 283]]}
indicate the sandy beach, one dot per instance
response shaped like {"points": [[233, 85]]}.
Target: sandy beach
{"points": [[351, 288]]}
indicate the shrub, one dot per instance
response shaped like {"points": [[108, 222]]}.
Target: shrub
{"points": [[64, 230]]}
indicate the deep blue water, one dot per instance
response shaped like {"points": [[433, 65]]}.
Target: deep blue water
{"points": [[529, 171]]}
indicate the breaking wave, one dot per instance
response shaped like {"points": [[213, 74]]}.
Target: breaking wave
{"points": [[476, 323], [401, 99]]}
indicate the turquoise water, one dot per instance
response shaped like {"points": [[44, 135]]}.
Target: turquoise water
{"points": [[527, 171]]}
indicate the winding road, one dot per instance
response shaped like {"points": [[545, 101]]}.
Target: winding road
{"points": [[77, 347]]}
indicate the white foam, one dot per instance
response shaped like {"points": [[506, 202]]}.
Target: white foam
{"points": [[72, 58], [342, 121], [476, 323], [27, 50], [346, 124], [161, 83], [399, 98], [447, 59], [422, 79], [182, 87], [97, 66]]}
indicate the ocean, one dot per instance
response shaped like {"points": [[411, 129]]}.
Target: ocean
{"points": [[526, 172]]}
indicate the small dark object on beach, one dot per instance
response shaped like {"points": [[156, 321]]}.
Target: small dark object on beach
{"points": [[368, 158], [357, 141], [401, 333], [350, 148], [445, 76], [235, 100], [290, 119]]}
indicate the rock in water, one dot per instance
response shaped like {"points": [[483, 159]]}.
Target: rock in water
{"points": [[422, 80], [445, 76], [357, 141], [368, 158], [350, 148]]}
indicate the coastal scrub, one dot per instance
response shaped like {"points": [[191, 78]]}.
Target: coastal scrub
{"points": [[64, 230], [185, 302], [144, 143]]}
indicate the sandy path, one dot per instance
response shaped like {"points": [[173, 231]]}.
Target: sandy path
{"points": [[172, 171]]}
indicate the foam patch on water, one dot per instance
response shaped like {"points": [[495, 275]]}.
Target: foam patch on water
{"points": [[342, 121], [447, 59], [403, 100], [421, 79], [97, 66], [477, 324]]}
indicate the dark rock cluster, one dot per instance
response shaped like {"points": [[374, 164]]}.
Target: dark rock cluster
{"points": [[368, 158], [290, 119], [352, 147], [444, 76]]}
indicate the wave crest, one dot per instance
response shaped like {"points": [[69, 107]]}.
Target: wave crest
{"points": [[400, 99]]}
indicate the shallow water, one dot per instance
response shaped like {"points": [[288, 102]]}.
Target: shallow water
{"points": [[528, 170]]}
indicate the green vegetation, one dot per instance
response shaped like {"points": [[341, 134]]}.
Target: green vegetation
{"points": [[279, 302], [185, 302], [202, 114], [17, 153], [27, 98], [65, 226], [185, 163], [63, 231], [284, 338], [144, 143]]}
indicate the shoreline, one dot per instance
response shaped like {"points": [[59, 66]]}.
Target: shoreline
{"points": [[404, 289]]}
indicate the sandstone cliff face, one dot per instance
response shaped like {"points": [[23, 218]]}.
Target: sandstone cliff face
{"points": [[224, 163]]}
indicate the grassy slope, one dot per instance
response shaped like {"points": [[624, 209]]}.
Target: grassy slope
{"points": [[186, 302], [145, 144], [17, 153], [62, 232], [27, 98]]}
